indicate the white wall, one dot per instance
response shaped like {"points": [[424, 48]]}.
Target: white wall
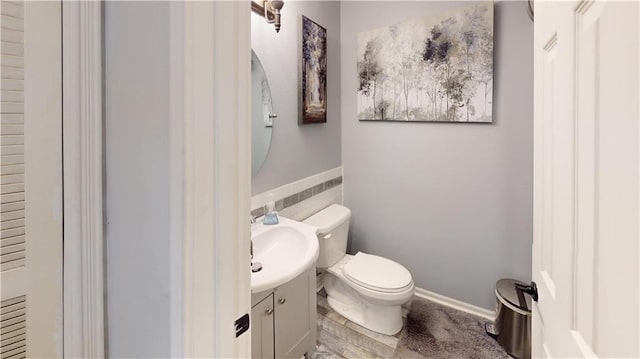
{"points": [[451, 202], [298, 151], [137, 178]]}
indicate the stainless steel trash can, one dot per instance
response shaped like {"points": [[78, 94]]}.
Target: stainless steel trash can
{"points": [[512, 327]]}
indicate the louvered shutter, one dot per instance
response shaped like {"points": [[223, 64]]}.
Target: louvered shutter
{"points": [[12, 209], [30, 180]]}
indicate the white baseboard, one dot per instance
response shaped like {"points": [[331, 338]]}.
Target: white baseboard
{"points": [[455, 304]]}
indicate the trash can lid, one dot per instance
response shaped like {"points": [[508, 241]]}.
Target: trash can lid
{"points": [[506, 291]]}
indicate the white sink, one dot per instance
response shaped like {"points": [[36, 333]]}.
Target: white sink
{"points": [[285, 250]]}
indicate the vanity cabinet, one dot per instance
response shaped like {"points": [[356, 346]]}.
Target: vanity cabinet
{"points": [[283, 320]]}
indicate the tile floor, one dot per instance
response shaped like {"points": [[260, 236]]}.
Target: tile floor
{"points": [[459, 335], [341, 338]]}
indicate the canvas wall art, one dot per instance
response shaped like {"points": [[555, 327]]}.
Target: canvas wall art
{"points": [[435, 68], [312, 73]]}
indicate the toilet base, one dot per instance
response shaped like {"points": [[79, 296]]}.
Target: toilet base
{"points": [[381, 318]]}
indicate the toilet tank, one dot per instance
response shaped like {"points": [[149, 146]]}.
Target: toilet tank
{"points": [[333, 229]]}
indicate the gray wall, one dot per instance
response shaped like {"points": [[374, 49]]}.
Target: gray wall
{"points": [[451, 202], [298, 151], [137, 179]]}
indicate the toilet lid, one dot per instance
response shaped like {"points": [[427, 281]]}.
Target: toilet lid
{"points": [[377, 272]]}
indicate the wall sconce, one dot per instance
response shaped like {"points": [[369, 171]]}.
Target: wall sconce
{"points": [[269, 9]]}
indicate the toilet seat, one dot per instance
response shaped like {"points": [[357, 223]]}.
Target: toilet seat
{"points": [[377, 273], [375, 294]]}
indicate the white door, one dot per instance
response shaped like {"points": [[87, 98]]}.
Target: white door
{"points": [[31, 180], [586, 179]]}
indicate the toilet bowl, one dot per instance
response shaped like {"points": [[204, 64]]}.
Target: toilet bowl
{"points": [[366, 289], [373, 302]]}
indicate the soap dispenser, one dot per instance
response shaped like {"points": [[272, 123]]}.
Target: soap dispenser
{"points": [[271, 216]]}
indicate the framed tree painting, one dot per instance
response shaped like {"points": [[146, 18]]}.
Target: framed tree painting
{"points": [[312, 72], [438, 68]]}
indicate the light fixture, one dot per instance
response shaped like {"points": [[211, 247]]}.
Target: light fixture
{"points": [[269, 9]]}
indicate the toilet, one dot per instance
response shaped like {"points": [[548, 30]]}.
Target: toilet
{"points": [[366, 289]]}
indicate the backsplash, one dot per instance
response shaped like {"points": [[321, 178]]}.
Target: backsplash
{"points": [[301, 199]]}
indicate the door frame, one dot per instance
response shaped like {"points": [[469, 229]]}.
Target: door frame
{"points": [[82, 134]]}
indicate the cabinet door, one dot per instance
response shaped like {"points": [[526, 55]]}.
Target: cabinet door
{"points": [[262, 329], [295, 320]]}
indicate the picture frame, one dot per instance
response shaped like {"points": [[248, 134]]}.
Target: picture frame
{"points": [[436, 68], [312, 72]]}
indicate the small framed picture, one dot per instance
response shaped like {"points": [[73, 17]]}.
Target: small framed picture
{"points": [[312, 72]]}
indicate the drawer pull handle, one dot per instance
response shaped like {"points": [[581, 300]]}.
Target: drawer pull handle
{"points": [[269, 311], [282, 300]]}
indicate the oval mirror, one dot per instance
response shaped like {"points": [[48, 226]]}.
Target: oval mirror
{"points": [[261, 115]]}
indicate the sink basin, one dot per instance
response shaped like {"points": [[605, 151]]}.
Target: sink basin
{"points": [[285, 250]]}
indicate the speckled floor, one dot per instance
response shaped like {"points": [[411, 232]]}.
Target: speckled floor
{"points": [[430, 331]]}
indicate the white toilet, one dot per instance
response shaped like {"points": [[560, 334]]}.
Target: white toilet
{"points": [[366, 289]]}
